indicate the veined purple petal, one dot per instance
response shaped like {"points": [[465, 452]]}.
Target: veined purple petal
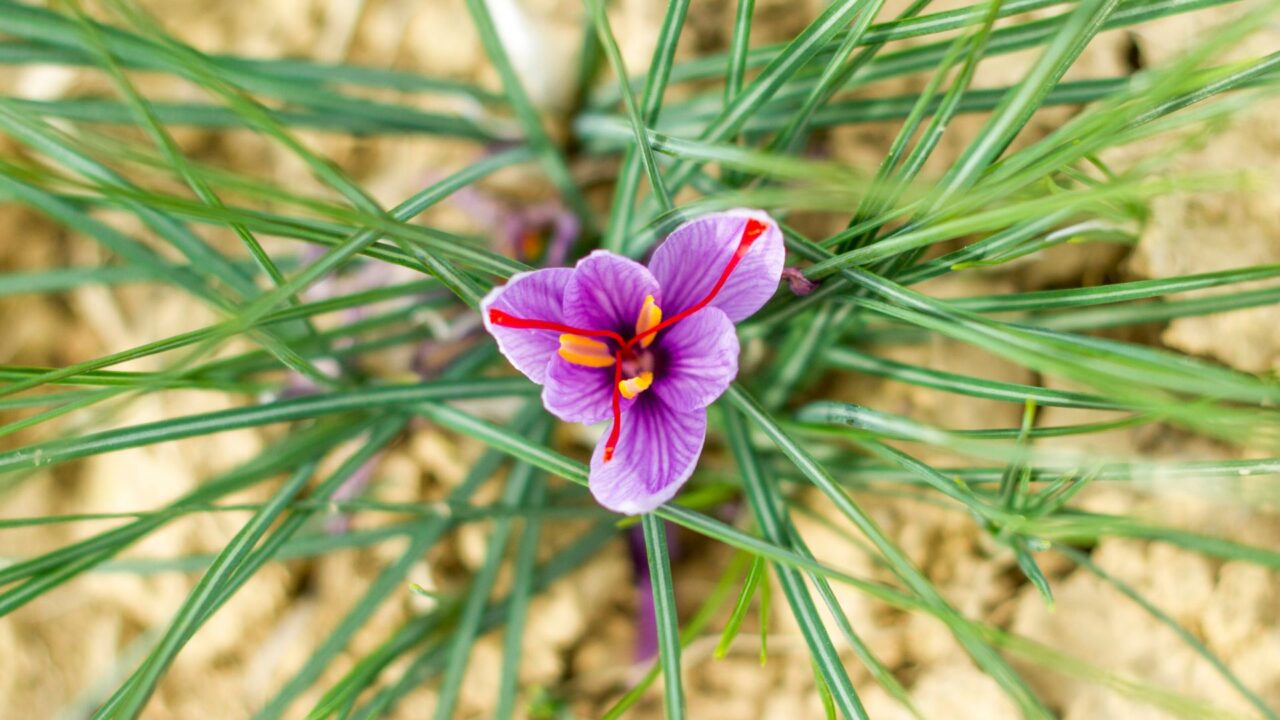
{"points": [[699, 360], [655, 455], [606, 292], [575, 393], [535, 295], [690, 261]]}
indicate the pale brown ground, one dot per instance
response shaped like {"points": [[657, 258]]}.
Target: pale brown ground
{"points": [[580, 632]]}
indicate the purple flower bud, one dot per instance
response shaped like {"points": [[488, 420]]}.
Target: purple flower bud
{"points": [[799, 284]]}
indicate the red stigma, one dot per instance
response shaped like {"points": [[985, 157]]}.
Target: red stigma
{"points": [[616, 430], [505, 319]]}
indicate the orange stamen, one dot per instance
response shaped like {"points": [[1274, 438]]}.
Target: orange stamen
{"points": [[585, 351], [650, 316], [632, 387]]}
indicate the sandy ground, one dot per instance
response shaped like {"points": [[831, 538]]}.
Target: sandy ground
{"points": [[80, 638]]}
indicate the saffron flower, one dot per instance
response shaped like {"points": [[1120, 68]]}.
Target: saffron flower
{"points": [[648, 348]]}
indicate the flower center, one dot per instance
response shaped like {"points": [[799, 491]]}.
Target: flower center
{"points": [[632, 361], [638, 370]]}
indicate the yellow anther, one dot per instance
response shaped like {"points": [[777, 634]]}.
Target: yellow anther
{"points": [[650, 316], [585, 351], [636, 385]]}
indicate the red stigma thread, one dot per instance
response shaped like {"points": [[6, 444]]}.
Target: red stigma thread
{"points": [[504, 319], [616, 430]]}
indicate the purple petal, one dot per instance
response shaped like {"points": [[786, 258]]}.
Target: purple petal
{"points": [[536, 295], [699, 360], [690, 261], [606, 292], [656, 453], [575, 393]]}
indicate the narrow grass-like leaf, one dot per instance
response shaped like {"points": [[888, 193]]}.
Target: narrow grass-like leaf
{"points": [[406, 121], [739, 45], [47, 571], [638, 120], [553, 162], [768, 82], [522, 477], [69, 278], [901, 565], [133, 49], [855, 361], [748, 593], [250, 315], [874, 665], [824, 693], [712, 65], [523, 565], [202, 600], [1114, 292], [292, 70], [838, 68], [702, 618], [345, 693], [1031, 570], [384, 585], [362, 400], [624, 191], [1168, 621], [1154, 312], [664, 603], [765, 509]]}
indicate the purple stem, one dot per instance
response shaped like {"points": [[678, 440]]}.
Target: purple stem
{"points": [[646, 613], [350, 489]]}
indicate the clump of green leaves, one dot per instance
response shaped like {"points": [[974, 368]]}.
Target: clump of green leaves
{"points": [[735, 137]]}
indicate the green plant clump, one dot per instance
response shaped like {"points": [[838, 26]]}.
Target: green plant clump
{"points": [[739, 128]]}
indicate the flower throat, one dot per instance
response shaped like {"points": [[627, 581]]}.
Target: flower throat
{"points": [[585, 351]]}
